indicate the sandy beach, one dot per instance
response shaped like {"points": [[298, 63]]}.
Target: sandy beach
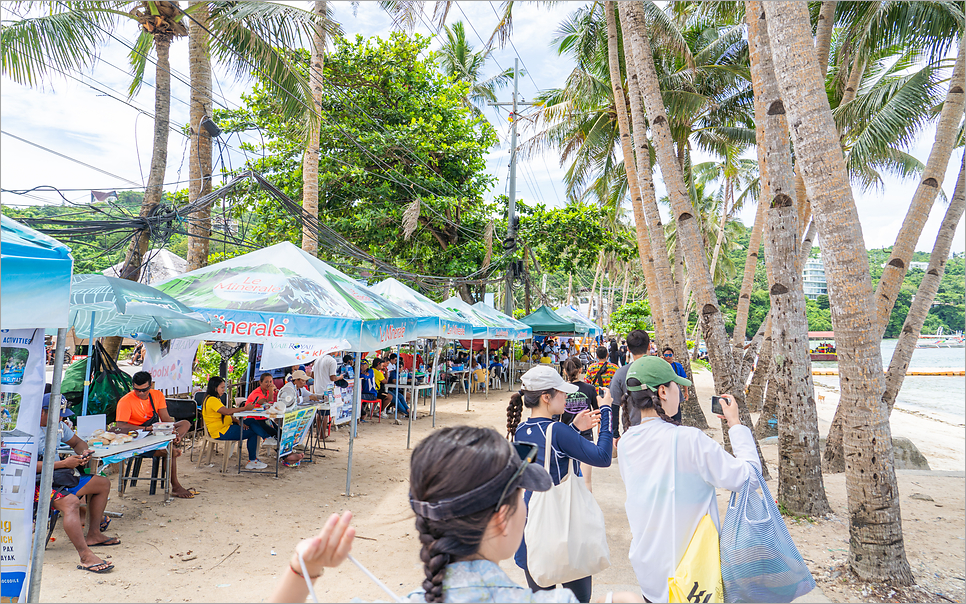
{"points": [[240, 530]]}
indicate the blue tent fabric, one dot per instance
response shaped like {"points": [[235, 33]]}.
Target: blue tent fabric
{"points": [[518, 330], [35, 275], [434, 320], [281, 293]]}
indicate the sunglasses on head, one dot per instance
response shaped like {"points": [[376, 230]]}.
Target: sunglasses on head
{"points": [[527, 452]]}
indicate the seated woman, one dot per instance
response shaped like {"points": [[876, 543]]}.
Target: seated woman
{"points": [[218, 422], [467, 489]]}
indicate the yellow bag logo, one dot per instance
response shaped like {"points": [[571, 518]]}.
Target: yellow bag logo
{"points": [[698, 575]]}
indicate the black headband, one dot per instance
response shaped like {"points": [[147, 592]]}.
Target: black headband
{"points": [[484, 496]]}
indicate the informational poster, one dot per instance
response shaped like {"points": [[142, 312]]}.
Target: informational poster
{"points": [[170, 363], [287, 354], [342, 405], [22, 361], [295, 429]]}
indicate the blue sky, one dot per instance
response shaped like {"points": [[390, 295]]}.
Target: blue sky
{"points": [[71, 118]]}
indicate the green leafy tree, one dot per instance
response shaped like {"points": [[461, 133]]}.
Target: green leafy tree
{"points": [[636, 315]]}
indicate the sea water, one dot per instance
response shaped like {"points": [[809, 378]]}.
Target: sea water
{"points": [[942, 397]]}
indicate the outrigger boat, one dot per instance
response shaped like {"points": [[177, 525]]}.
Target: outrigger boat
{"points": [[825, 351], [940, 340]]}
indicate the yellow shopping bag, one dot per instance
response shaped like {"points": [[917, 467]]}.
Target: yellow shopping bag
{"points": [[698, 575]]}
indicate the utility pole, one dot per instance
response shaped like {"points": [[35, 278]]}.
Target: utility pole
{"points": [[510, 243]]}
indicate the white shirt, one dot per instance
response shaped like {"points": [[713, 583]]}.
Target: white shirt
{"points": [[668, 497], [325, 367], [301, 394]]}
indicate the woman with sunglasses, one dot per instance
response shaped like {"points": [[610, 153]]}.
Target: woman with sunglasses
{"points": [[466, 488], [671, 472], [545, 394]]}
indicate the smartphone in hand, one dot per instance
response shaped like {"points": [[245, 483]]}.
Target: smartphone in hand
{"points": [[716, 405]]}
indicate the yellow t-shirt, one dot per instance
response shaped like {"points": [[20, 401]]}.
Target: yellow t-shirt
{"points": [[379, 378], [216, 423]]}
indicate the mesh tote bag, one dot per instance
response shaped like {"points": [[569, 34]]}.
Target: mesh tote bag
{"points": [[565, 534], [759, 560]]}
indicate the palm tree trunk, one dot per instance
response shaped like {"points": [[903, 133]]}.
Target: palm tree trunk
{"points": [[823, 33], [644, 247], [800, 485], [310, 162], [709, 312], [593, 288], [570, 284], [627, 268], [926, 292], [159, 158], [199, 152], [673, 333], [759, 380], [876, 551], [926, 192], [721, 226], [739, 335], [680, 286]]}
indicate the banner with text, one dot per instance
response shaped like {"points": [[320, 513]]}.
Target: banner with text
{"points": [[170, 364], [295, 429], [286, 354], [22, 361]]}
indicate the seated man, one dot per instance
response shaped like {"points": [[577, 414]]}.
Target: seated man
{"points": [[367, 380], [141, 408], [391, 396], [382, 392], [67, 491]]}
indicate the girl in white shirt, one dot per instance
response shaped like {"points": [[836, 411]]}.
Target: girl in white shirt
{"points": [[670, 472]]}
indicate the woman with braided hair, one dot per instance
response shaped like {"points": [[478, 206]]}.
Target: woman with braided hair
{"points": [[671, 472], [545, 394], [466, 488]]}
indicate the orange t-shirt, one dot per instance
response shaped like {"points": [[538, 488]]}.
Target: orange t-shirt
{"points": [[259, 393], [131, 409]]}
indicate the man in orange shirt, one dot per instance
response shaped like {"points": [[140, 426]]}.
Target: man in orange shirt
{"points": [[144, 406]]}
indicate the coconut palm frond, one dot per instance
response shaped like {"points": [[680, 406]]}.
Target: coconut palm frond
{"points": [[33, 50]]}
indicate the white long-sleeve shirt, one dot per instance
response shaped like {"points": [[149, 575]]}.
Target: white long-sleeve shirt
{"points": [[666, 498]]}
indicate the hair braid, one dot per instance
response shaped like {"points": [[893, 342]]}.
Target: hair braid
{"points": [[625, 414], [661, 413], [434, 560], [646, 399], [514, 412]]}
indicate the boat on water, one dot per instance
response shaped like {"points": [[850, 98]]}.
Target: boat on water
{"points": [[825, 350], [941, 340]]}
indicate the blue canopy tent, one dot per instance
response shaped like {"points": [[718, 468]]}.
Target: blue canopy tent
{"points": [[569, 312], [35, 275], [435, 322], [283, 294]]}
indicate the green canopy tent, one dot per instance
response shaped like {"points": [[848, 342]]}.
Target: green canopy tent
{"points": [[545, 321]]}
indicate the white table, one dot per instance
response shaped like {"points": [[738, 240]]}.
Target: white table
{"points": [[136, 447], [278, 420]]}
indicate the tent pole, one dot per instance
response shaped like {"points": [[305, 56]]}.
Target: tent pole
{"points": [[90, 354], [399, 368], [47, 471], [412, 387], [486, 368], [469, 375], [356, 404], [435, 373]]}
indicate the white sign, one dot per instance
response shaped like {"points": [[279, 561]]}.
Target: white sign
{"points": [[22, 362], [170, 364], [286, 354]]}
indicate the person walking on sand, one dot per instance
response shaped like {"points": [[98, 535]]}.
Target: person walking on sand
{"points": [[545, 394], [466, 488], [671, 472]]}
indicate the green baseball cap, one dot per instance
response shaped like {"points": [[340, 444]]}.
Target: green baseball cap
{"points": [[652, 372]]}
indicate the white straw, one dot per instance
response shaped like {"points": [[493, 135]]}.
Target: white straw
{"points": [[305, 575], [375, 580]]}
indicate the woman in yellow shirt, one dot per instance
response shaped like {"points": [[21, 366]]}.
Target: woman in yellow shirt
{"points": [[218, 422]]}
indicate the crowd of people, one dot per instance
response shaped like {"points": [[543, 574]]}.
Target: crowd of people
{"points": [[470, 491]]}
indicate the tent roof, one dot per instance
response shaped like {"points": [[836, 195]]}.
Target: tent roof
{"points": [[35, 272], [283, 293], [568, 312], [484, 327], [435, 321], [544, 320], [161, 265], [519, 331]]}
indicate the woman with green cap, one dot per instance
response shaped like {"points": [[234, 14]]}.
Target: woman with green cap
{"points": [[671, 472]]}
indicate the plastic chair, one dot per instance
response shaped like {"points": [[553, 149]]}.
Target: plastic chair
{"points": [[372, 408], [131, 471], [495, 380], [210, 444], [477, 380]]}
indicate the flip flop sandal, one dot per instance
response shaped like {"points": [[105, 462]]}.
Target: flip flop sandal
{"points": [[93, 568], [106, 522], [110, 542]]}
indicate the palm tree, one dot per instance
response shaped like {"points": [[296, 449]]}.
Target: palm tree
{"points": [[310, 163], [800, 485], [712, 320], [876, 545], [246, 37], [460, 62]]}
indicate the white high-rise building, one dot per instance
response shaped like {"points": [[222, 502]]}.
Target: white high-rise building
{"points": [[813, 278]]}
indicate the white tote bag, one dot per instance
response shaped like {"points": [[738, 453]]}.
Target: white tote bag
{"points": [[565, 534]]}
